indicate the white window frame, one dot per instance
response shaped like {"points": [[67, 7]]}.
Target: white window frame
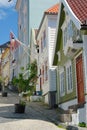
{"points": [[62, 82], [69, 77]]}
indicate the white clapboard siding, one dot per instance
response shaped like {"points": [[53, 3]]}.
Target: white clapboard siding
{"points": [[52, 79], [51, 44]]}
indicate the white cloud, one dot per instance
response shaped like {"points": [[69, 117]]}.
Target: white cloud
{"points": [[5, 3], [2, 14]]}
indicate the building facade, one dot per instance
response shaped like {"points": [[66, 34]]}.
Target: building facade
{"points": [[5, 63], [46, 38], [29, 16], [70, 59]]}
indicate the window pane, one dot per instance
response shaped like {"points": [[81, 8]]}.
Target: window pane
{"points": [[69, 77], [62, 83]]}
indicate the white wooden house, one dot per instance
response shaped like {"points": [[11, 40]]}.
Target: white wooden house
{"points": [[46, 39]]}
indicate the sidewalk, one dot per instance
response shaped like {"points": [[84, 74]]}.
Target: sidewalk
{"points": [[36, 117]]}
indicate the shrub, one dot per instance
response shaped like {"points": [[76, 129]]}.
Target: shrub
{"points": [[82, 124]]}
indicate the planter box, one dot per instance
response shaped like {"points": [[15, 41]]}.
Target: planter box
{"points": [[19, 108]]}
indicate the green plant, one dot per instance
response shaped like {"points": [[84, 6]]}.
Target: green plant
{"points": [[19, 82], [32, 73], [1, 80], [27, 86], [82, 124], [22, 102]]}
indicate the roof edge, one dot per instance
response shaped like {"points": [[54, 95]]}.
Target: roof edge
{"points": [[72, 14]]}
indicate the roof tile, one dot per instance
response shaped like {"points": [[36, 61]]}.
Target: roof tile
{"points": [[79, 7], [53, 10]]}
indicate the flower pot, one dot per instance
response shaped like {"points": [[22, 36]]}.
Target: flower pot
{"points": [[19, 108], [4, 94]]}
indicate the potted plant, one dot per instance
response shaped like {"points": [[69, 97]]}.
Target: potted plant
{"points": [[20, 107], [26, 87], [24, 90]]}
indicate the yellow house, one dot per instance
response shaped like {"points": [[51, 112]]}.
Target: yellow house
{"points": [[5, 65]]}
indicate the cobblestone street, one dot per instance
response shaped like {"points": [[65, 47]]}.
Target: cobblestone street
{"points": [[36, 117]]}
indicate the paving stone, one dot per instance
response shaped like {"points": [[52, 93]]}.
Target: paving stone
{"points": [[37, 116]]}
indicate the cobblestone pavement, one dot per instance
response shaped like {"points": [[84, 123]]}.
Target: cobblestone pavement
{"points": [[36, 117]]}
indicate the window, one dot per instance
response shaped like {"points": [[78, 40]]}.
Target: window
{"points": [[65, 37], [70, 34], [69, 30], [40, 80], [44, 38], [41, 45], [46, 71], [43, 74], [69, 77], [62, 86]]}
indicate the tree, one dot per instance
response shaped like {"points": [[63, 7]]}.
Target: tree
{"points": [[29, 83], [33, 73]]}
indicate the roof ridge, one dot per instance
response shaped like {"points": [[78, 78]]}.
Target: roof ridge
{"points": [[53, 9]]}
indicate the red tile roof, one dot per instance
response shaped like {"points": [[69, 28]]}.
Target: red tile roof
{"points": [[53, 10], [79, 7]]}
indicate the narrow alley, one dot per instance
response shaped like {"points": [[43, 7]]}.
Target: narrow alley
{"points": [[36, 116]]}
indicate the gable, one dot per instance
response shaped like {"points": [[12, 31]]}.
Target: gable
{"points": [[61, 18], [73, 34]]}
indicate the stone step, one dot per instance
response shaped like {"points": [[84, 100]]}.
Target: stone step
{"points": [[64, 117]]}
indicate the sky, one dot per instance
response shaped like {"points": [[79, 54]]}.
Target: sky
{"points": [[8, 20]]}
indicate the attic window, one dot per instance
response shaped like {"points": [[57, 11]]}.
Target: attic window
{"points": [[70, 34]]}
